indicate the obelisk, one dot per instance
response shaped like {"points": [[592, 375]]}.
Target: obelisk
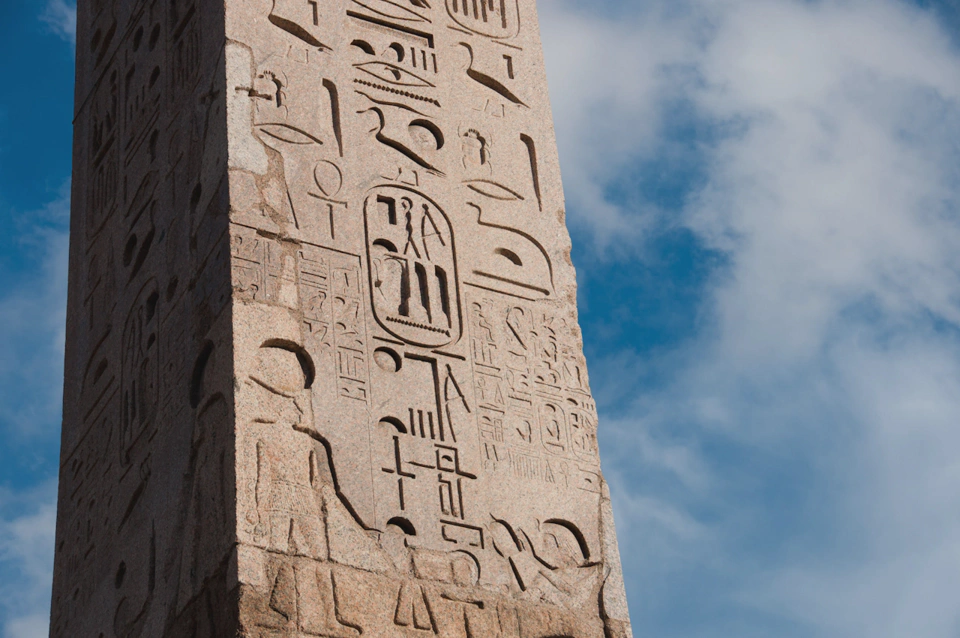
{"points": [[324, 375]]}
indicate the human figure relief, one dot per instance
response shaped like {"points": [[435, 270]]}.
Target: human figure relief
{"points": [[551, 564], [290, 464]]}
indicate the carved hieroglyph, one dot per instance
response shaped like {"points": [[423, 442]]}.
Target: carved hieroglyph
{"points": [[324, 373]]}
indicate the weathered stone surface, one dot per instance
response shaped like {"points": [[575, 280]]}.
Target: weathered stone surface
{"points": [[324, 374]]}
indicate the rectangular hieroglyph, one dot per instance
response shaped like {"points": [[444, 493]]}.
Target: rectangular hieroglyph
{"points": [[324, 373]]}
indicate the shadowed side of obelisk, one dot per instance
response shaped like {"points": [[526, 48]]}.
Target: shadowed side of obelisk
{"points": [[146, 513]]}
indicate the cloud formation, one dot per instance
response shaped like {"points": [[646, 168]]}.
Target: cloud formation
{"points": [[798, 454], [32, 312], [27, 522], [61, 17]]}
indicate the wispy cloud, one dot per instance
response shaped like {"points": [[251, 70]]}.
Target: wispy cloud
{"points": [[32, 307], [32, 313], [61, 17], [794, 470], [610, 82], [27, 527]]}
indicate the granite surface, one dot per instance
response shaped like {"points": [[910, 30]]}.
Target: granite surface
{"points": [[324, 375]]}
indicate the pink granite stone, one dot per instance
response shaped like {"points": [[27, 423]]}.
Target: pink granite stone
{"points": [[324, 375]]}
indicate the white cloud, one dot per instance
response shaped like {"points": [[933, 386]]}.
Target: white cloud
{"points": [[27, 528], [608, 82], [800, 468], [61, 17], [32, 313], [36, 626]]}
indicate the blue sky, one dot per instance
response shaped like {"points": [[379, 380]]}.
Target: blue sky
{"points": [[763, 197]]}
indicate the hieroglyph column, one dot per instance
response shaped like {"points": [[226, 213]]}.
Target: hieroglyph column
{"points": [[324, 375]]}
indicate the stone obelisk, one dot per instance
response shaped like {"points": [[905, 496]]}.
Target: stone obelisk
{"points": [[324, 375]]}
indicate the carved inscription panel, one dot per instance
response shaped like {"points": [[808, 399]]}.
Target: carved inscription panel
{"points": [[410, 373], [324, 375]]}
